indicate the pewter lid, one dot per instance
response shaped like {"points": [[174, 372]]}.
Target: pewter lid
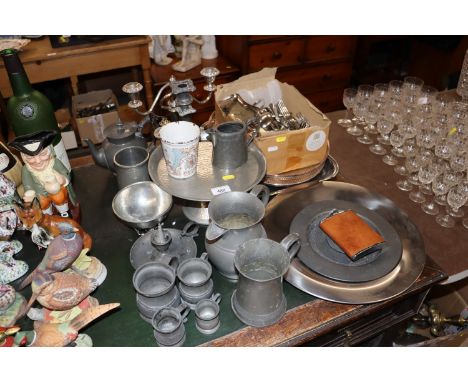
{"points": [[120, 130]]}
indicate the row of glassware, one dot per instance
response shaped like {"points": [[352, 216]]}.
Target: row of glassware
{"points": [[422, 133]]}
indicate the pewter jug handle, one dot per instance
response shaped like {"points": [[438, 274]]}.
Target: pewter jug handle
{"points": [[167, 260], [209, 135], [203, 256], [214, 231], [190, 229], [262, 192], [292, 244], [216, 298], [184, 310]]}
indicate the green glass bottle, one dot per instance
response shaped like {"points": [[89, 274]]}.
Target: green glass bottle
{"points": [[29, 110]]}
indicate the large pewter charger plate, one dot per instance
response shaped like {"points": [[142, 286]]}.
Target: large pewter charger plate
{"points": [[281, 211]]}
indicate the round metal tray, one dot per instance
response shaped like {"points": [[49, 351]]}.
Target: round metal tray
{"points": [[323, 256], [201, 186], [281, 211]]}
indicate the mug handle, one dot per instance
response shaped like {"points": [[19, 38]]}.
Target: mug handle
{"points": [[291, 243], [214, 232], [184, 310], [203, 256], [216, 298], [262, 192], [190, 229]]}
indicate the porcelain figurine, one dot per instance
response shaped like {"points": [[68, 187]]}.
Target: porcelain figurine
{"points": [[45, 174], [31, 214], [8, 337], [161, 47], [61, 254], [60, 316], [208, 49], [62, 334], [11, 305], [8, 219], [10, 268], [191, 53], [60, 290], [89, 266]]}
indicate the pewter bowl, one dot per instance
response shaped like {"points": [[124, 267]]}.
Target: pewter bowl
{"points": [[142, 205]]}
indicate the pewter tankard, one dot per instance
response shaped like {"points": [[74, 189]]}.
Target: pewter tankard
{"points": [[259, 300], [229, 145]]}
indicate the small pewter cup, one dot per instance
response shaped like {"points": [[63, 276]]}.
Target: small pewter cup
{"points": [[195, 282], [207, 315], [168, 325]]}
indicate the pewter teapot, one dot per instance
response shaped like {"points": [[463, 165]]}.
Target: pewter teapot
{"points": [[117, 137]]}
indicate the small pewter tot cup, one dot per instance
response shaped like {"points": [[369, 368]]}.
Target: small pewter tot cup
{"points": [[207, 315], [195, 281], [168, 325]]}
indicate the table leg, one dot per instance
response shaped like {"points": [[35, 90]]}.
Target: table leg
{"points": [[74, 84], [145, 67]]}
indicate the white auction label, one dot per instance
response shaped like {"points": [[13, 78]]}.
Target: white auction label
{"points": [[220, 190], [272, 148], [316, 140]]}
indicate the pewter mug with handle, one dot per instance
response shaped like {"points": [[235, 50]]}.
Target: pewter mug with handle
{"points": [[259, 299], [229, 145]]}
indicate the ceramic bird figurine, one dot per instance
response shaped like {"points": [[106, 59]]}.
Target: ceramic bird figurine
{"points": [[60, 290], [59, 316], [48, 334], [61, 253]]}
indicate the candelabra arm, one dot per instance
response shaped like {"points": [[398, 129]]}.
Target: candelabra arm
{"points": [[201, 102]]}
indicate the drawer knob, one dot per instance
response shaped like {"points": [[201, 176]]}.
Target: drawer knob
{"points": [[330, 48], [276, 55], [327, 77]]}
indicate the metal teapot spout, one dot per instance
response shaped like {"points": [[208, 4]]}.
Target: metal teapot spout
{"points": [[98, 155]]}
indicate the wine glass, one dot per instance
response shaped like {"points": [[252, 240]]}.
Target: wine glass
{"points": [[412, 167], [349, 98], [365, 110], [439, 187], [384, 127], [426, 174], [456, 198], [428, 94], [396, 140], [462, 86]]}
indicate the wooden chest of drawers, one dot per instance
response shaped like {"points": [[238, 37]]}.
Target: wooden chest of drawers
{"points": [[319, 67]]}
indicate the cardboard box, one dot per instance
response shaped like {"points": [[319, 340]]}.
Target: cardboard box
{"points": [[284, 150], [67, 128], [93, 126]]}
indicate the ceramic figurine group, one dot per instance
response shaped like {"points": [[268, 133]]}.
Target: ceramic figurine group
{"points": [[66, 275]]}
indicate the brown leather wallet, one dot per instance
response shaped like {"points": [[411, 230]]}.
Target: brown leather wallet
{"points": [[352, 234]]}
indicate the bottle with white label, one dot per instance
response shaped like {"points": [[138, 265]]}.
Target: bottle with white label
{"points": [[29, 110]]}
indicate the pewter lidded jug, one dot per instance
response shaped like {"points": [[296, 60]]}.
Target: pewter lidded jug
{"points": [[235, 218], [117, 137]]}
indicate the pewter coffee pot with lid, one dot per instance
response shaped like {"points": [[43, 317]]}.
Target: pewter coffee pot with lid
{"points": [[117, 137]]}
